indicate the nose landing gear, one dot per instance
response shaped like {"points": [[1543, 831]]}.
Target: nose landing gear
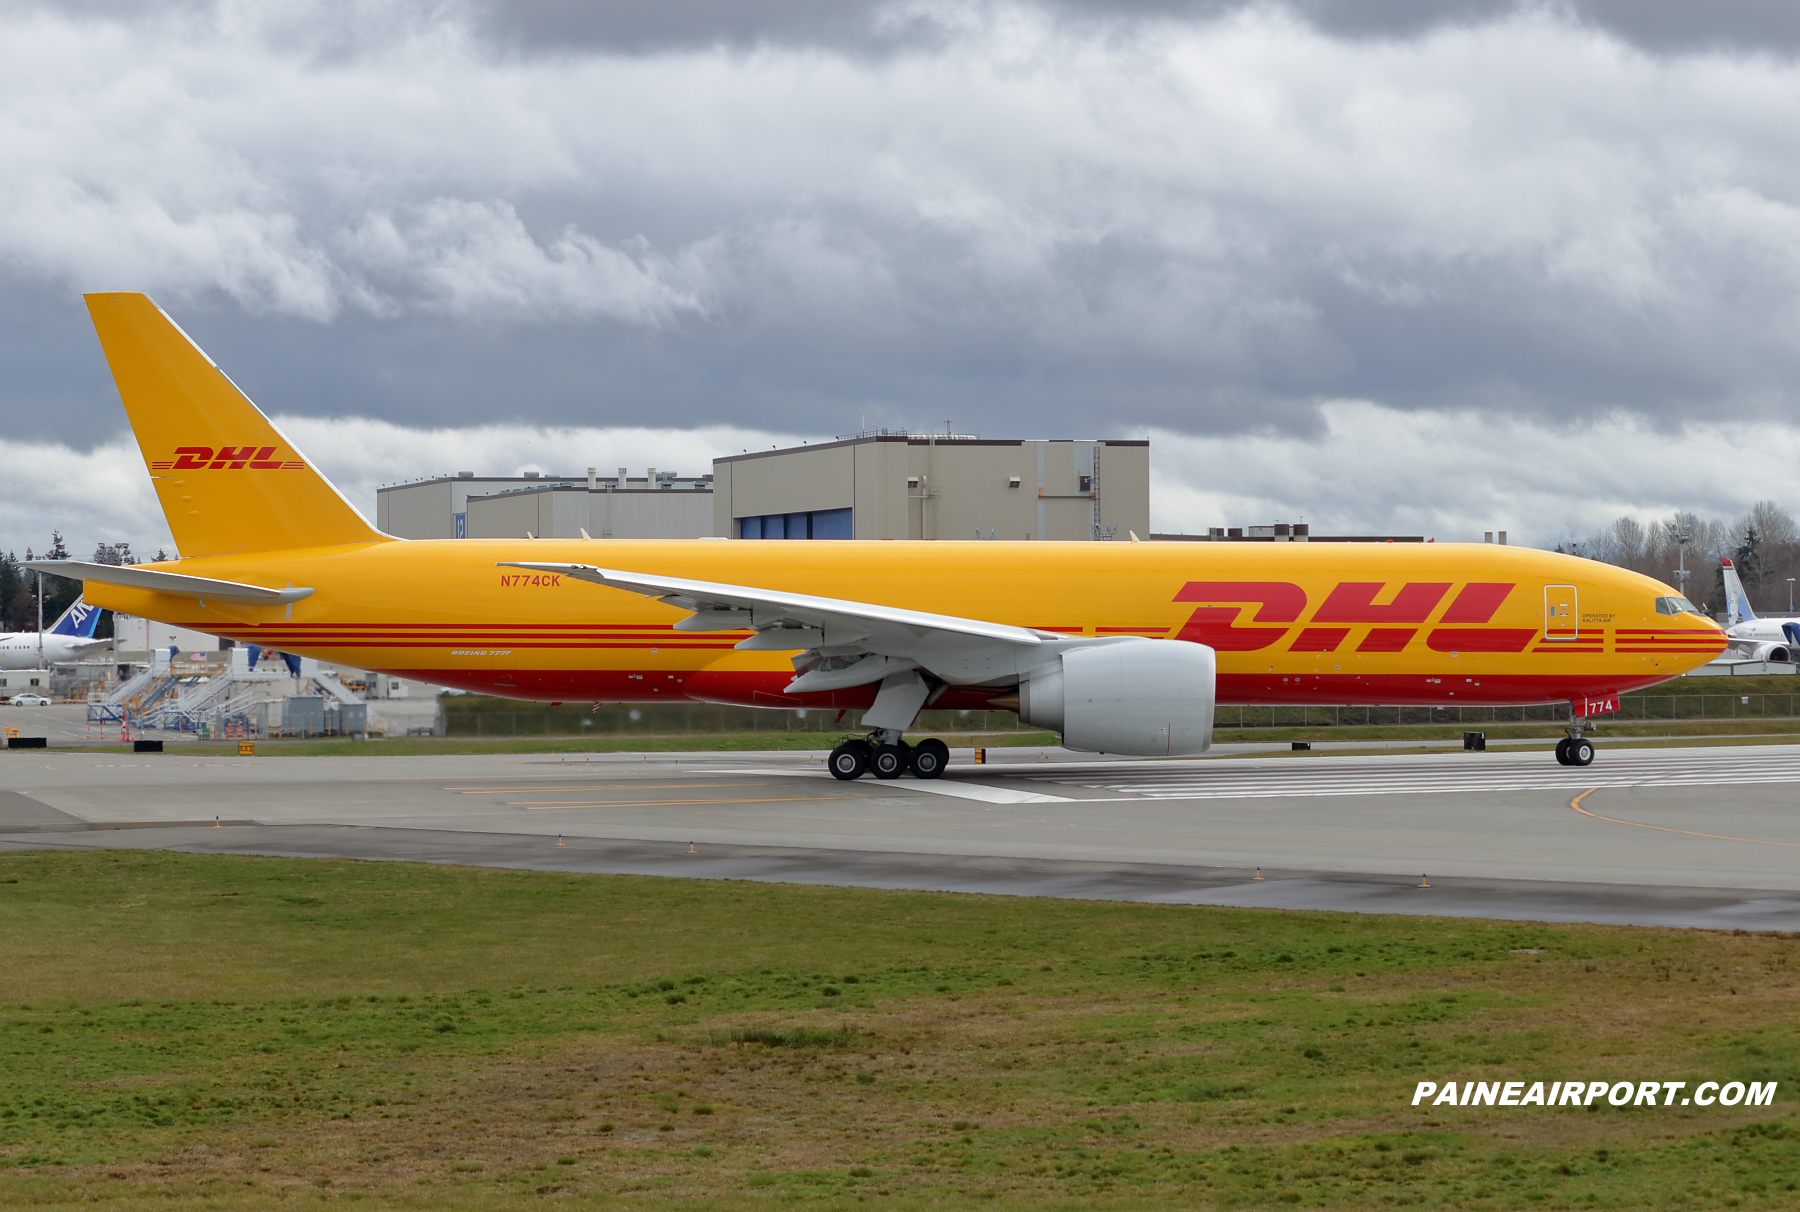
{"points": [[1574, 749], [888, 757]]}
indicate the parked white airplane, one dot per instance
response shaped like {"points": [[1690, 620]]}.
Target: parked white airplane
{"points": [[1750, 638], [69, 639]]}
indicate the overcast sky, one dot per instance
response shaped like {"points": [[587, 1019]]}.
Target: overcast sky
{"points": [[1387, 266]]}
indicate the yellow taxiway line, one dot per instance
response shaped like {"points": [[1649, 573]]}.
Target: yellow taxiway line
{"points": [[1723, 837]]}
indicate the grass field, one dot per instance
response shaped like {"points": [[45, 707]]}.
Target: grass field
{"points": [[197, 1031]]}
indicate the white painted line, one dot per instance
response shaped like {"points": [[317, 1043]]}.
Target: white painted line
{"points": [[987, 793], [940, 786]]}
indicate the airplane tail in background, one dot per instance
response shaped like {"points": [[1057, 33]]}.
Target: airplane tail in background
{"points": [[228, 480], [1737, 606], [78, 620]]}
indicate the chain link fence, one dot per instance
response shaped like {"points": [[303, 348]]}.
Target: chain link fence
{"points": [[477, 718]]}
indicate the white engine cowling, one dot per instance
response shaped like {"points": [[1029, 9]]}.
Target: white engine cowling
{"points": [[1148, 698], [1772, 652]]}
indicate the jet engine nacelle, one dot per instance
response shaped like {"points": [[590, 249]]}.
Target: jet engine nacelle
{"points": [[1148, 698], [1772, 652]]}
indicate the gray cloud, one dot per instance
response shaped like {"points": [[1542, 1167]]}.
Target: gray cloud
{"points": [[887, 26], [1203, 220]]}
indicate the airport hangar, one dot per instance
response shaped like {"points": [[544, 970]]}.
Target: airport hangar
{"points": [[882, 484]]}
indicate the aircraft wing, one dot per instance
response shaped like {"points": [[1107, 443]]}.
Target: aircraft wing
{"points": [[846, 643], [174, 583]]}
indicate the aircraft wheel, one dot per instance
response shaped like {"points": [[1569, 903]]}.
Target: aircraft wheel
{"points": [[1562, 752], [929, 758], [890, 761], [849, 760], [1581, 753]]}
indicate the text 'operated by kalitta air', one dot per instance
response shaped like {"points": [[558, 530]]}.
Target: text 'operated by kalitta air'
{"points": [[1590, 1093]]}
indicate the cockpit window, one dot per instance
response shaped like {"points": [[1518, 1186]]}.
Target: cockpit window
{"points": [[1675, 605]]}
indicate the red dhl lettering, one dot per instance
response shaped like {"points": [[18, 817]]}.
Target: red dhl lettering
{"points": [[1214, 626], [1320, 639], [1215, 622], [1480, 639], [1387, 639], [227, 458], [1477, 602], [1354, 602]]}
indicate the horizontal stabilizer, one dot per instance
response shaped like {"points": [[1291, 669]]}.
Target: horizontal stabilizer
{"points": [[173, 583]]}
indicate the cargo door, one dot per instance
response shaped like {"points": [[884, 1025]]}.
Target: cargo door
{"points": [[1561, 621]]}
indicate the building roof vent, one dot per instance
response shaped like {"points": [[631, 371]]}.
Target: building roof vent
{"points": [[465, 475]]}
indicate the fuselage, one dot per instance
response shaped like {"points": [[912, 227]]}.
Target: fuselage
{"points": [[1764, 639], [1414, 624], [20, 650]]}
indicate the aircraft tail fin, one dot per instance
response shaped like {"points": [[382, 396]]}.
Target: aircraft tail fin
{"points": [[78, 620], [1737, 606], [228, 479]]}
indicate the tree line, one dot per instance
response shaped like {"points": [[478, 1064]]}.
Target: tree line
{"points": [[1763, 544], [19, 586]]}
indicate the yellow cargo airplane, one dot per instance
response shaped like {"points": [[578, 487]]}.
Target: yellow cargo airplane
{"points": [[1121, 648]]}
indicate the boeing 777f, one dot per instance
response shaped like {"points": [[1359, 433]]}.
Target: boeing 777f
{"points": [[1121, 648]]}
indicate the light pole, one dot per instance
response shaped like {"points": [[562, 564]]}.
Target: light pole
{"points": [[1681, 538], [1790, 595]]}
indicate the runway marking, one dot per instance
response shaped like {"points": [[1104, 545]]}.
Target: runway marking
{"points": [[964, 789], [1723, 837], [988, 793], [602, 787], [1435, 774], [780, 799]]}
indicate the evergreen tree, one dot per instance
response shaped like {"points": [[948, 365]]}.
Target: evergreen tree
{"points": [[14, 597], [1749, 563], [59, 592]]}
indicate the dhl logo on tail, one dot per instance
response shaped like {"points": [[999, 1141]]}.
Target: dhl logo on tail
{"points": [[234, 458]]}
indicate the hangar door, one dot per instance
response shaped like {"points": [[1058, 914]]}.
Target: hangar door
{"points": [[1561, 622]]}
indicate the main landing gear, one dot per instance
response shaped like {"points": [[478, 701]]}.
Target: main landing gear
{"points": [[888, 757], [1574, 749]]}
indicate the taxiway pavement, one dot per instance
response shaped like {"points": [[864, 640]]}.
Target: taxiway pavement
{"points": [[1704, 836]]}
